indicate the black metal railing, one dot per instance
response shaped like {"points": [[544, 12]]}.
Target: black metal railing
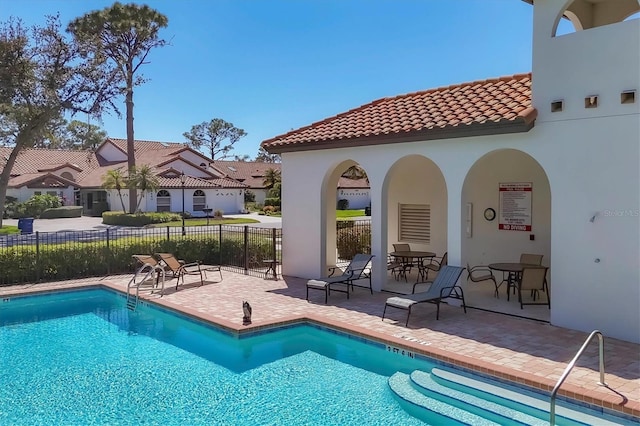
{"points": [[352, 237], [54, 256]]}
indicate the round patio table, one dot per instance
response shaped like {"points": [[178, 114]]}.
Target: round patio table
{"points": [[514, 269], [406, 257]]}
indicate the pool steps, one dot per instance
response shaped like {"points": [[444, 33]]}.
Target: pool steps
{"points": [[471, 401]]}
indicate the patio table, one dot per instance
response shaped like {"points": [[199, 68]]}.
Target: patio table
{"points": [[407, 256], [514, 269]]}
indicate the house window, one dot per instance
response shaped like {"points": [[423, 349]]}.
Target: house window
{"points": [[414, 223], [37, 192], [199, 200], [54, 193], [67, 175], [163, 199]]}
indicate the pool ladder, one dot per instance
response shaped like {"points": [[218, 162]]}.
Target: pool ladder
{"points": [[149, 276], [552, 408]]}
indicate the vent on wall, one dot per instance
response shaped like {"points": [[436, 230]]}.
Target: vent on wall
{"points": [[628, 97], [591, 101], [415, 223], [556, 106]]}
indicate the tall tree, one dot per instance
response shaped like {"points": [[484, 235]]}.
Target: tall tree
{"points": [[242, 158], [42, 75], [271, 178], [212, 135], [81, 135], [264, 156], [123, 34]]}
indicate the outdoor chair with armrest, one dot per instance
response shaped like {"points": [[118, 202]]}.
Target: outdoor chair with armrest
{"points": [[525, 258], [443, 287], [533, 279], [179, 268], [434, 265], [356, 270], [407, 264], [480, 273]]}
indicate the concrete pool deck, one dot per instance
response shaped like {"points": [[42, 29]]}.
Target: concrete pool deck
{"points": [[520, 350]]}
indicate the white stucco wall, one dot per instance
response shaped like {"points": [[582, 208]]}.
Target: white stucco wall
{"points": [[230, 201], [110, 153]]}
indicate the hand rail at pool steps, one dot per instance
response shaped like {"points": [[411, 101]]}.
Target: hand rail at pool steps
{"points": [[132, 299], [552, 408]]}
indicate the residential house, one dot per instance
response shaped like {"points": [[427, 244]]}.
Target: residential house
{"points": [[555, 153], [77, 176]]}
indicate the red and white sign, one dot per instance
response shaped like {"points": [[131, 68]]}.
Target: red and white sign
{"points": [[515, 206]]}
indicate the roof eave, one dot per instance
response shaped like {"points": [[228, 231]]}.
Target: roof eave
{"points": [[519, 125]]}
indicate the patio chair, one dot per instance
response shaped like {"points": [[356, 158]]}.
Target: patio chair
{"points": [[528, 258], [443, 287], [434, 265], [356, 270], [179, 268], [145, 262], [480, 273], [533, 279], [396, 267], [407, 264]]}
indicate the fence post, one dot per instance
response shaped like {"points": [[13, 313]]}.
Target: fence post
{"points": [[168, 237], [107, 237], [220, 244], [246, 250], [275, 253], [37, 256]]}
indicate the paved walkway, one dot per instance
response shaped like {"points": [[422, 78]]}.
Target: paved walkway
{"points": [[524, 351], [86, 223]]}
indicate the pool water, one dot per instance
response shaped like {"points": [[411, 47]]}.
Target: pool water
{"points": [[82, 358]]}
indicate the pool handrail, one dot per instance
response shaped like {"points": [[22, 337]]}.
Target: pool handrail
{"points": [[552, 408]]}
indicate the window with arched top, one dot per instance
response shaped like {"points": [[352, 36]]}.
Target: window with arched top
{"points": [[163, 201], [67, 175], [199, 200]]}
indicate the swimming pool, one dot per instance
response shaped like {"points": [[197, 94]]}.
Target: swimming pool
{"points": [[81, 357]]}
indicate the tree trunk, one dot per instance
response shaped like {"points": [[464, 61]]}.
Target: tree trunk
{"points": [[133, 193], [4, 177]]}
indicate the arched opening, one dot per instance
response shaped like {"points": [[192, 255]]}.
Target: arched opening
{"points": [[506, 212], [581, 15], [163, 201], [346, 203], [416, 214], [199, 200]]}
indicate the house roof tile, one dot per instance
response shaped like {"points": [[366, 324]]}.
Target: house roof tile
{"points": [[498, 105]]}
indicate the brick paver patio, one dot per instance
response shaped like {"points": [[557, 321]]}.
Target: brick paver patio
{"points": [[524, 351]]}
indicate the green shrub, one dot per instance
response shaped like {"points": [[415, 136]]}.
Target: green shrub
{"points": [[343, 204], [272, 202], [138, 219], [218, 214], [35, 205], [249, 196], [60, 212], [353, 240], [99, 208]]}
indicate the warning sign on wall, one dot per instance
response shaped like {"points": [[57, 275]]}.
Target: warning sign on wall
{"points": [[515, 206]]}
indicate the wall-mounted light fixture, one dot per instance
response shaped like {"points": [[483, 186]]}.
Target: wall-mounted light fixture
{"points": [[593, 218]]}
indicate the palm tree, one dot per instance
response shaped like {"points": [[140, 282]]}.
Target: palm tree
{"points": [[144, 179], [114, 179], [271, 177]]}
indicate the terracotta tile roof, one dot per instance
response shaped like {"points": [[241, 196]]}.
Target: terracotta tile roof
{"points": [[195, 183], [142, 146], [248, 172], [344, 182], [499, 105]]}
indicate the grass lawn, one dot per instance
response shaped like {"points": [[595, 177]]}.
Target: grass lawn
{"points": [[349, 213], [203, 222], [8, 229]]}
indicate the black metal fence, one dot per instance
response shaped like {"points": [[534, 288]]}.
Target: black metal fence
{"points": [[53, 256], [352, 237]]}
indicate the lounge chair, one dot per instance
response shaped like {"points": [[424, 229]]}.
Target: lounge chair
{"points": [[357, 270], [146, 263], [179, 268], [443, 287]]}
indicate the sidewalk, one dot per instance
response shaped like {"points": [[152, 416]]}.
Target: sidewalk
{"points": [[86, 223]]}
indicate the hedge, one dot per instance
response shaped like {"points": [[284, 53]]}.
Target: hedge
{"points": [[353, 240], [60, 212], [138, 219]]}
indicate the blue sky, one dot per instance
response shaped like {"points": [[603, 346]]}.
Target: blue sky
{"points": [[270, 66]]}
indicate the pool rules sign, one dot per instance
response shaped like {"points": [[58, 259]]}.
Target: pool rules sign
{"points": [[515, 206]]}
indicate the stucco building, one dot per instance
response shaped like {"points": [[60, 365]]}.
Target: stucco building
{"points": [[554, 153]]}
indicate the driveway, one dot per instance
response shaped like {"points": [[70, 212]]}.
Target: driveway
{"points": [[86, 223]]}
